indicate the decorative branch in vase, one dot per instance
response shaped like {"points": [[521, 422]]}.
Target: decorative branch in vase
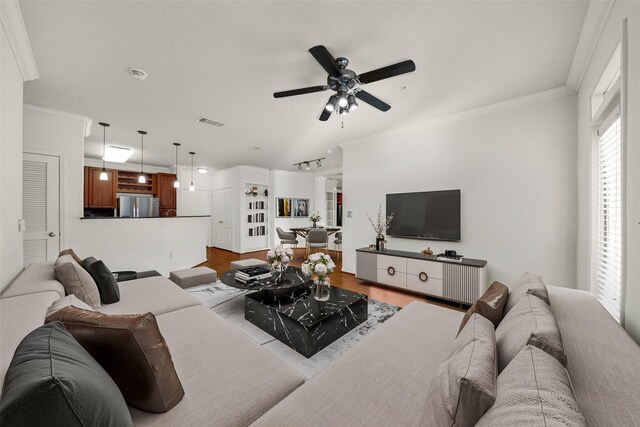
{"points": [[380, 226], [315, 218]]}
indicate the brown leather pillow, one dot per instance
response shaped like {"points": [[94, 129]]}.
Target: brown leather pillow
{"points": [[490, 305], [132, 350]]}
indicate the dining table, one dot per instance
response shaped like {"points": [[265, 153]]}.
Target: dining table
{"points": [[303, 231]]}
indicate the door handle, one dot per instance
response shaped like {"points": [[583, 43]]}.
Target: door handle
{"points": [[52, 234]]}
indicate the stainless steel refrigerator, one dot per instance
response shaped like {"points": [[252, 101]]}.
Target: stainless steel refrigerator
{"points": [[138, 206]]}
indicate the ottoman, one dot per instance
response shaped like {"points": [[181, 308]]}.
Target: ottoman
{"points": [[244, 263], [193, 277]]}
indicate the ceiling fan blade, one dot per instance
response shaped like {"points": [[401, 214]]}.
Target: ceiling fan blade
{"points": [[325, 115], [386, 72], [325, 59], [372, 100], [302, 91]]}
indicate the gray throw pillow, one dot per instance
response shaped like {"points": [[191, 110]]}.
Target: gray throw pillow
{"points": [[52, 381], [534, 390], [77, 281], [530, 322], [464, 386], [522, 286]]}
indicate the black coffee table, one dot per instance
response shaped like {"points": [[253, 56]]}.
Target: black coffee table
{"points": [[289, 312]]}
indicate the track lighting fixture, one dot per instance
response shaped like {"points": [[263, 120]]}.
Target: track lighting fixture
{"points": [[103, 174], [307, 164]]}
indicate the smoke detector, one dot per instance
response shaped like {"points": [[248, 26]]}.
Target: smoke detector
{"points": [[138, 74]]}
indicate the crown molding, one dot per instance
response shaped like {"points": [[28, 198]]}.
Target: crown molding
{"points": [[13, 24], [86, 122], [522, 101], [592, 28]]}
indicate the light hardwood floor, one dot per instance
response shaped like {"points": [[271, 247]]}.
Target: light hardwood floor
{"points": [[219, 260]]}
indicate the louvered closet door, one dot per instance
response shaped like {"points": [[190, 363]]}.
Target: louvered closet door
{"points": [[41, 207]]}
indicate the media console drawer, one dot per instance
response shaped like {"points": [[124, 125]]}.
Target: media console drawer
{"points": [[425, 285], [391, 277], [397, 263], [430, 268]]}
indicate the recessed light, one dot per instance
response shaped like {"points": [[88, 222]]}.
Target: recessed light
{"points": [[117, 154], [203, 170], [256, 148], [138, 74], [329, 150]]}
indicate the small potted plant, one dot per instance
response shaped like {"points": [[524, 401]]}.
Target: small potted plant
{"points": [[315, 218], [319, 266], [380, 226]]}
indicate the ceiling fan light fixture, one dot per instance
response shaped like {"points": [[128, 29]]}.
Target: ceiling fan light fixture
{"points": [[352, 103], [342, 99], [344, 111], [331, 105]]}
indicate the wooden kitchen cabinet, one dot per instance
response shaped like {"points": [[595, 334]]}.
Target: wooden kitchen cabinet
{"points": [[100, 194], [166, 193]]}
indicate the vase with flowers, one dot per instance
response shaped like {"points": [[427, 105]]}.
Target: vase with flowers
{"points": [[315, 218], [278, 260], [319, 266], [380, 226]]}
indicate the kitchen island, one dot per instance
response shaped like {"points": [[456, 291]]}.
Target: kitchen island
{"points": [[160, 243]]}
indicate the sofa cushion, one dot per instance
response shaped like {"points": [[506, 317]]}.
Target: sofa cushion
{"points": [[382, 379], [603, 360], [490, 305], [530, 322], [465, 384], [522, 286], [77, 281], [105, 280], [53, 381], [534, 390], [143, 369], [156, 294], [69, 300], [37, 277], [70, 251], [20, 315], [228, 379]]}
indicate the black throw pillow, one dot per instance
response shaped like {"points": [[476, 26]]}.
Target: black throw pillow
{"points": [[106, 281], [53, 381]]}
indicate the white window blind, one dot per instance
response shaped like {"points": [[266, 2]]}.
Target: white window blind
{"points": [[608, 280]]}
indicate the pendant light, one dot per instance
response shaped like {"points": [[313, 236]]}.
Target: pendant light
{"points": [[104, 176], [192, 187], [176, 183], [142, 179]]}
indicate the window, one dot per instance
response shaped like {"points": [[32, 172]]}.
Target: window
{"points": [[608, 271]]}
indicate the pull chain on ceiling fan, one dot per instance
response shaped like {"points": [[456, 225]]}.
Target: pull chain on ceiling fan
{"points": [[347, 84]]}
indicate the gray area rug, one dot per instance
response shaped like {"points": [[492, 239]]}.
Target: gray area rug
{"points": [[228, 302]]}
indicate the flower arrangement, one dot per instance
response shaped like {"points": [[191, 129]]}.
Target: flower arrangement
{"points": [[381, 224], [315, 218], [279, 258], [318, 266]]}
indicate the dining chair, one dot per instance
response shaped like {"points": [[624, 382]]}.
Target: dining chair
{"points": [[338, 243], [317, 238], [288, 238]]}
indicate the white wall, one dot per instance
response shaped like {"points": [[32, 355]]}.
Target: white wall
{"points": [[293, 185], [121, 244], [11, 81], [611, 36], [516, 172]]}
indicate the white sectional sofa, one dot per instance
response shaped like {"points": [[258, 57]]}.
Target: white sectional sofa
{"points": [[229, 380]]}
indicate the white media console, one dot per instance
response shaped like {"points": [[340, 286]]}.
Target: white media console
{"points": [[461, 281]]}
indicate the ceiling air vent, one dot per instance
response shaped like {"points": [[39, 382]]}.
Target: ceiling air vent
{"points": [[203, 119]]}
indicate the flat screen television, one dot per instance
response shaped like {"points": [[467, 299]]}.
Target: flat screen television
{"points": [[428, 215]]}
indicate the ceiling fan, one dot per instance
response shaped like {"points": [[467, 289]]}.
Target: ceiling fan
{"points": [[347, 84]]}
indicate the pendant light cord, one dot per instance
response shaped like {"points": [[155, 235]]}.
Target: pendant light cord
{"points": [[104, 145], [142, 156]]}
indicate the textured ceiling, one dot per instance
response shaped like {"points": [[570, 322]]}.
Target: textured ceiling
{"points": [[225, 59]]}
